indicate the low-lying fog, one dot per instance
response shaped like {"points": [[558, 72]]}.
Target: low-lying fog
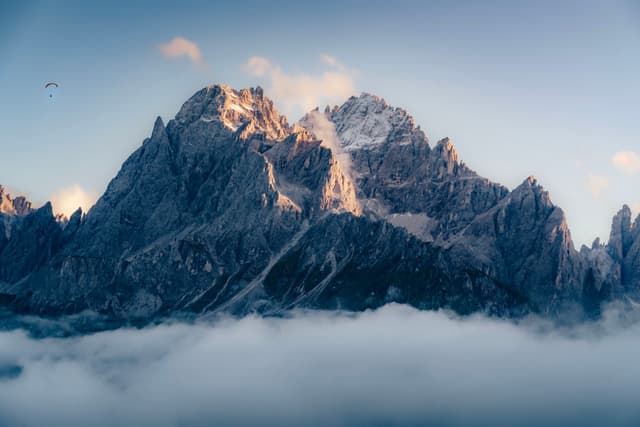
{"points": [[394, 366]]}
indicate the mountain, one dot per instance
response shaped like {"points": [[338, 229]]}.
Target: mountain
{"points": [[228, 208], [19, 206], [624, 250]]}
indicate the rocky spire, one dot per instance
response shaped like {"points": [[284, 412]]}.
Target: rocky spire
{"points": [[14, 206], [621, 237], [219, 103], [624, 249]]}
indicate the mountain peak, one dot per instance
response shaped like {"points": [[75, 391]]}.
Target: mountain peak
{"points": [[235, 108], [372, 99], [621, 236], [530, 187], [368, 122], [447, 150], [14, 206], [158, 128]]}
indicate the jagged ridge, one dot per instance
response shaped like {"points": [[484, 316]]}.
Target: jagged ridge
{"points": [[228, 208]]}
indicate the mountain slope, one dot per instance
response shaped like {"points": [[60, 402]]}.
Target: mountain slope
{"points": [[227, 208]]}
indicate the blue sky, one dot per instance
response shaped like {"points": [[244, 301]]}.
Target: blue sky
{"points": [[549, 89]]}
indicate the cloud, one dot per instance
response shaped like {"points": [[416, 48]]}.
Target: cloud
{"points": [[626, 161], [258, 66], [325, 130], [635, 208], [67, 200], [596, 184], [299, 93], [180, 47], [332, 61], [395, 366]]}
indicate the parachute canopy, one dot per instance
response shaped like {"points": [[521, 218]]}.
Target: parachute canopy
{"points": [[51, 88]]}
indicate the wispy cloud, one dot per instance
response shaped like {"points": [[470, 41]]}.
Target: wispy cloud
{"points": [[626, 161], [332, 61], [596, 184], [258, 66], [299, 93], [180, 47], [325, 130], [67, 200]]}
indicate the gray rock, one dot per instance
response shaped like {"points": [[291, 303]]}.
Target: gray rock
{"points": [[624, 249], [33, 239], [229, 209], [397, 172]]}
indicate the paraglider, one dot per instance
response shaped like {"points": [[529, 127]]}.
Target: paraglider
{"points": [[51, 84]]}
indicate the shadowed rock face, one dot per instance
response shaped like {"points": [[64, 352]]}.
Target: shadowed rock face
{"points": [[624, 249], [525, 240], [27, 242], [397, 172], [228, 208]]}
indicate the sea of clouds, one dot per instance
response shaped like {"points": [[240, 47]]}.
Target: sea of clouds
{"points": [[395, 366]]}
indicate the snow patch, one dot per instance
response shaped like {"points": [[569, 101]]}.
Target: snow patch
{"points": [[367, 122], [418, 224]]}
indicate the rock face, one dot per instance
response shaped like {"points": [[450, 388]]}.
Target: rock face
{"points": [[398, 173], [17, 206], [227, 208], [524, 240], [28, 238], [624, 250]]}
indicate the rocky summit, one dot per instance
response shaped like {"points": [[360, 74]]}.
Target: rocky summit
{"points": [[229, 209]]}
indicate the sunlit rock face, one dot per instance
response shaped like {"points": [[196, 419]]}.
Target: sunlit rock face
{"points": [[14, 206], [227, 208]]}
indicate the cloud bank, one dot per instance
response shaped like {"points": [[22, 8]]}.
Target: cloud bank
{"points": [[180, 47], [67, 200], [627, 161], [299, 93], [392, 367]]}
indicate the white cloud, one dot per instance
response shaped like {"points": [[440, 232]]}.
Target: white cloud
{"points": [[596, 184], [395, 366], [627, 161], [258, 66], [299, 93], [67, 200], [323, 129], [635, 208], [332, 61], [180, 47]]}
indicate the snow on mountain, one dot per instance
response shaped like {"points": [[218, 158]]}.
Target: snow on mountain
{"points": [[228, 208], [367, 122], [234, 109]]}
